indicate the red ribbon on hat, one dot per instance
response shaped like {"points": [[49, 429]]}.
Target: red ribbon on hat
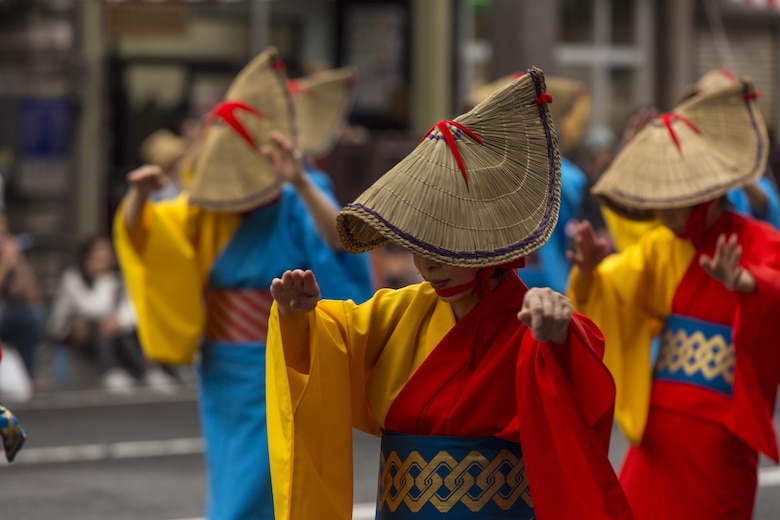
{"points": [[544, 97], [670, 117], [227, 112], [296, 87], [450, 140]]}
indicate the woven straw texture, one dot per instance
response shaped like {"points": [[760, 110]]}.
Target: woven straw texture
{"points": [[712, 80], [231, 174], [570, 109], [502, 208], [322, 103], [721, 144], [162, 148]]}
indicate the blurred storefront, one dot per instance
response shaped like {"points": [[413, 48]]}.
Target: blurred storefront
{"points": [[82, 82]]}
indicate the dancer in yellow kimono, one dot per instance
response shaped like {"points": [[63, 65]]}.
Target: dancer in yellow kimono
{"points": [[490, 398], [199, 267], [701, 414]]}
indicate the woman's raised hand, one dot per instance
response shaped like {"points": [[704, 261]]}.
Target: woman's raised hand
{"points": [[295, 291], [589, 250], [547, 313]]}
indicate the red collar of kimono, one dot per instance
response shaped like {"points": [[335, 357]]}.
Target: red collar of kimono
{"points": [[482, 281]]}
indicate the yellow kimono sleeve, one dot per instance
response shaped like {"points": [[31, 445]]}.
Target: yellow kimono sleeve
{"points": [[360, 358], [625, 296], [159, 265], [625, 232]]}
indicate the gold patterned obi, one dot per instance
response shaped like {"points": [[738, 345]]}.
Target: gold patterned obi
{"points": [[696, 352], [428, 476]]}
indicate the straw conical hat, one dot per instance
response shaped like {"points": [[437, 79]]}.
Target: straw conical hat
{"points": [[710, 144], [162, 148], [231, 174], [468, 203], [713, 79], [322, 102], [570, 110], [482, 93]]}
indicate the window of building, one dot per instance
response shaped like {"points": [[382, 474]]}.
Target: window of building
{"points": [[607, 44]]}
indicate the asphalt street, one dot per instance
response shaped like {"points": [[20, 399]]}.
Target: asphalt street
{"points": [[91, 456]]}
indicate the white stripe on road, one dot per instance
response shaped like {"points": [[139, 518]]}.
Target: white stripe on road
{"points": [[103, 451], [769, 477], [364, 511], [359, 512]]}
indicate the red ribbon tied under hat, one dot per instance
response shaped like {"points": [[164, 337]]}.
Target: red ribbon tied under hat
{"points": [[226, 111], [670, 117], [450, 140]]}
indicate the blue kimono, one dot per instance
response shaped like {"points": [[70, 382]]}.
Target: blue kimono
{"points": [[189, 256], [739, 199]]}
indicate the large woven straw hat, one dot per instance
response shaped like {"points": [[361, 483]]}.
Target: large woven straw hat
{"points": [[322, 102], [570, 112], [710, 144], [713, 79], [481, 190], [231, 174]]}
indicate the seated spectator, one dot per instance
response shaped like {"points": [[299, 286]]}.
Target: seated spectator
{"points": [[91, 310], [23, 313]]}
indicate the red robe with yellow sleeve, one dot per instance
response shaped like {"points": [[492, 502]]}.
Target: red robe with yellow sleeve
{"points": [[400, 362]]}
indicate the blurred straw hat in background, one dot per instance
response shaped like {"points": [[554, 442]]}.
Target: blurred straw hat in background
{"points": [[322, 102], [231, 174], [708, 145], [162, 148]]}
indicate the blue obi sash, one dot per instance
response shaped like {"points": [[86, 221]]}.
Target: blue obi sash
{"points": [[426, 476], [696, 352]]}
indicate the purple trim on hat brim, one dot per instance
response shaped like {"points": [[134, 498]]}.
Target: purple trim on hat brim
{"points": [[480, 254], [550, 150], [714, 190]]}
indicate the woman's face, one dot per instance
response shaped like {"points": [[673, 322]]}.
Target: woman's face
{"points": [[674, 219], [443, 276], [100, 259]]}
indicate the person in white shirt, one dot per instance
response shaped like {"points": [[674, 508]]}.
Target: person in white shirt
{"points": [[91, 309]]}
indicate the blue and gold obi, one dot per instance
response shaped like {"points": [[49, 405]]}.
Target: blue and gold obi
{"points": [[426, 476], [696, 352]]}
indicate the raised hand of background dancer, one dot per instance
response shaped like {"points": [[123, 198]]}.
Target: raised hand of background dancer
{"points": [[284, 158], [147, 178], [295, 291], [547, 313], [724, 265], [142, 181], [589, 249]]}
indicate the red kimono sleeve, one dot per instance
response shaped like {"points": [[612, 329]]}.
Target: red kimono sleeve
{"points": [[757, 370], [565, 422]]}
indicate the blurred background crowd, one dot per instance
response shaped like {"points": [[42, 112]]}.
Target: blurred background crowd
{"points": [[92, 89]]}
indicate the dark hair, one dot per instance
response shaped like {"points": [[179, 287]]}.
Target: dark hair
{"points": [[85, 249]]}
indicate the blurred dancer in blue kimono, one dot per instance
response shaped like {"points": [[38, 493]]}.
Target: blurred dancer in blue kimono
{"points": [[570, 112], [199, 266]]}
